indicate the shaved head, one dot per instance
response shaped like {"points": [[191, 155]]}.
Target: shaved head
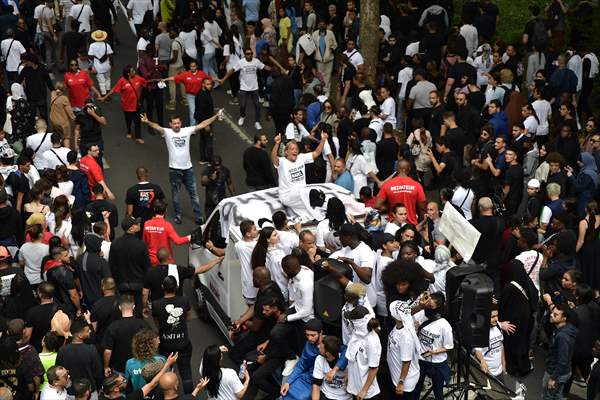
{"points": [[169, 381]]}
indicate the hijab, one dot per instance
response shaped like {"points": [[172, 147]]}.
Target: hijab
{"points": [[359, 318], [17, 91], [589, 167], [442, 258], [516, 273]]}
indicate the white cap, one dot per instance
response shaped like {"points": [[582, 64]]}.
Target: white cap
{"points": [[534, 183]]}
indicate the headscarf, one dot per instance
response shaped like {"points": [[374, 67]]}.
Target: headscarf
{"points": [[486, 51], [589, 167], [442, 258], [400, 313], [516, 273], [267, 25], [16, 91]]}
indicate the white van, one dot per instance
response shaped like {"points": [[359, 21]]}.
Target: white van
{"points": [[219, 291]]}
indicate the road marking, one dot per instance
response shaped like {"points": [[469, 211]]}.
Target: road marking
{"points": [[228, 119]]}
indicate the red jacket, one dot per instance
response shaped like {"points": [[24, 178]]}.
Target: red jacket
{"points": [[158, 233]]}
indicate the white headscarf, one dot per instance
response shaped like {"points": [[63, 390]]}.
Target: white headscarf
{"points": [[400, 313], [16, 91], [359, 333], [442, 258]]}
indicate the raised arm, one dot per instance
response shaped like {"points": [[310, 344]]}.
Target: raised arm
{"points": [[152, 125], [319, 148], [208, 121], [275, 150]]}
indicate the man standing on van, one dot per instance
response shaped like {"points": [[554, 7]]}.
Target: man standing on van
{"points": [[180, 162]]}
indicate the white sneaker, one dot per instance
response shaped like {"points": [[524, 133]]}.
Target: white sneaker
{"points": [[261, 100], [229, 92], [258, 126], [241, 121]]}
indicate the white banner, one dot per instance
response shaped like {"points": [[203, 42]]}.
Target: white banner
{"points": [[460, 233]]}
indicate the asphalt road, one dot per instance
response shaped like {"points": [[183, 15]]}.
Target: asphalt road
{"points": [[124, 156]]}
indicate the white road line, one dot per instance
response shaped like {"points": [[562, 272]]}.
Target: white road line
{"points": [[228, 119]]}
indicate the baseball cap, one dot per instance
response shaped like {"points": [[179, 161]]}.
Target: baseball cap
{"points": [[4, 254], [35, 219], [534, 183], [128, 222]]}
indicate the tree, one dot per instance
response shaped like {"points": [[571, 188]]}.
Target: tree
{"points": [[369, 38]]}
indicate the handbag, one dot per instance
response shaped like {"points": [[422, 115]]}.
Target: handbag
{"points": [[76, 21]]}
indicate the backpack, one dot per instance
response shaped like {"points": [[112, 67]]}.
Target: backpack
{"points": [[540, 34]]}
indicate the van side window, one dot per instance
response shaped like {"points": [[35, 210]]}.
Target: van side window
{"points": [[213, 233]]}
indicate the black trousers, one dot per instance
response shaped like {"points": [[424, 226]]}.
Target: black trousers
{"points": [[40, 108], [281, 119], [247, 343], [262, 376], [133, 117], [206, 144], [184, 365], [154, 99]]}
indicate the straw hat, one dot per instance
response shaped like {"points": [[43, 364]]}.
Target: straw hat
{"points": [[99, 35]]}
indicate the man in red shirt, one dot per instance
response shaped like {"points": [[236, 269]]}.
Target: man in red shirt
{"points": [[192, 83], [159, 233], [405, 190], [79, 84], [90, 167]]}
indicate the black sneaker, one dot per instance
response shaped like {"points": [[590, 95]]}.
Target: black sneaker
{"points": [[177, 219]]}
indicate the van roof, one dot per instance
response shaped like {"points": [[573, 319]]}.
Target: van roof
{"points": [[264, 203]]}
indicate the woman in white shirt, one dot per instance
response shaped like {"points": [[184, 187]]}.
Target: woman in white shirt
{"points": [[267, 253], [358, 167], [32, 253], [403, 349], [530, 122], [221, 383], [210, 40], [335, 218], [363, 354], [189, 37]]}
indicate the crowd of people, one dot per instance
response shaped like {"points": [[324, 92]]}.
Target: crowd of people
{"points": [[452, 115]]}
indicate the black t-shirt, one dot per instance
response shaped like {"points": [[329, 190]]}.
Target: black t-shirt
{"points": [[63, 281], [118, 339], [19, 183], [456, 141], [83, 361], [104, 312], [488, 246], [386, 154], [446, 177], [156, 275], [90, 130], [257, 165], [514, 179], [264, 297], [95, 209], [91, 269], [38, 319], [14, 378], [215, 190], [73, 43], [171, 314], [141, 196]]}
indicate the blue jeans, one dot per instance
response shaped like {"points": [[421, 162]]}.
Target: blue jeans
{"points": [[439, 374], [557, 392], [187, 178], [191, 100], [209, 64]]}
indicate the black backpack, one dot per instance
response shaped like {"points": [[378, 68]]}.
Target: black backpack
{"points": [[540, 34]]}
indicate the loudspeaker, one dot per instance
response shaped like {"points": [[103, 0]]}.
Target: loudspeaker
{"points": [[328, 295], [454, 278], [475, 311]]}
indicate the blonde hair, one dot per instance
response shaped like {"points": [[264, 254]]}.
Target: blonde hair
{"points": [[59, 86], [506, 76]]}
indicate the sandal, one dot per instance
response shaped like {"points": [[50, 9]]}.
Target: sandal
{"points": [[140, 141]]}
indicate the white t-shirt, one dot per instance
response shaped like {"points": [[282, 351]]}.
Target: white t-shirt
{"points": [[532, 260], [244, 250], [296, 132], [546, 215], [543, 110], [436, 335], [230, 385], [138, 9], [142, 44], [33, 142], [367, 357], [274, 257], [401, 348], [292, 174], [287, 241], [210, 35], [31, 254], [189, 41], [322, 230], [336, 389], [382, 263], [364, 257], [50, 393], [301, 291], [248, 73], [493, 353], [463, 198], [85, 14], [55, 157], [97, 50], [392, 228], [42, 13], [355, 58], [357, 165], [405, 75], [469, 32], [178, 146], [531, 125], [232, 54], [13, 59], [388, 107]]}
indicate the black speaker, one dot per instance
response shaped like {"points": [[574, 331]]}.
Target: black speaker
{"points": [[328, 295], [475, 311], [454, 278]]}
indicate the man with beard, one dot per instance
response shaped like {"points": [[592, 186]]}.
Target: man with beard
{"points": [[435, 119], [482, 149], [89, 165], [257, 164]]}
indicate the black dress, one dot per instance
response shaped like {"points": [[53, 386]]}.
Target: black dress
{"points": [[588, 259], [517, 306]]}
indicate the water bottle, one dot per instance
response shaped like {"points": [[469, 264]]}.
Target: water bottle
{"points": [[242, 373]]}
